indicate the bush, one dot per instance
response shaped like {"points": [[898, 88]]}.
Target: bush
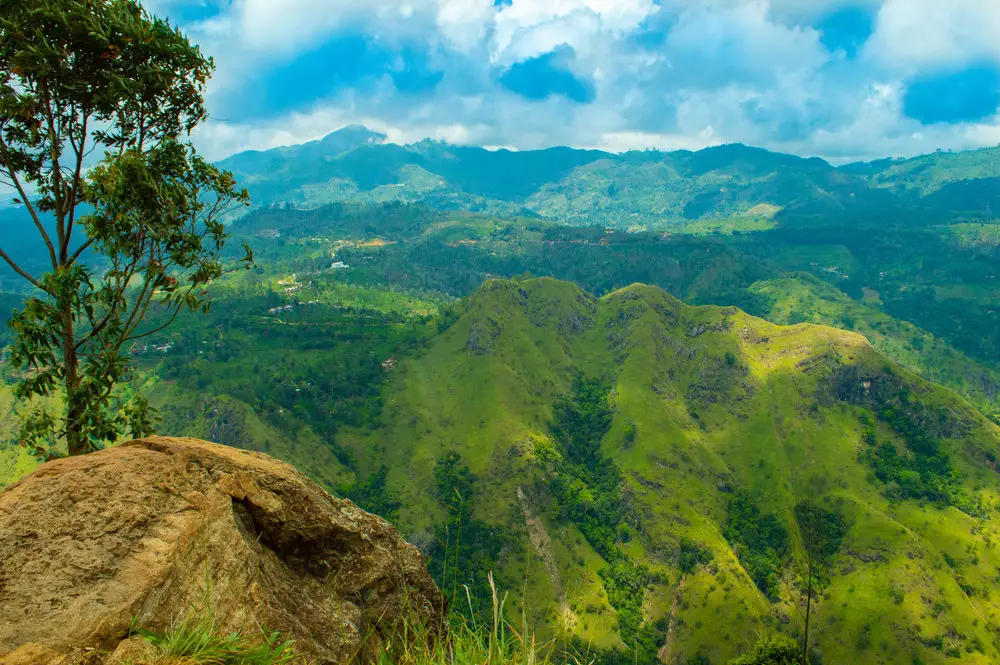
{"points": [[467, 549], [760, 541], [587, 488], [772, 651], [375, 496], [692, 555]]}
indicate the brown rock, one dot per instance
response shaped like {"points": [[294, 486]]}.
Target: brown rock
{"points": [[152, 528], [31, 654]]}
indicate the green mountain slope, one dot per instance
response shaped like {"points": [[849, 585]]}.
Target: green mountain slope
{"points": [[652, 188], [14, 460], [802, 298], [925, 297], [652, 502], [927, 174], [230, 421], [647, 188]]}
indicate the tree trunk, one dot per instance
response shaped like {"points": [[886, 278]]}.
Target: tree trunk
{"points": [[809, 595], [75, 443]]}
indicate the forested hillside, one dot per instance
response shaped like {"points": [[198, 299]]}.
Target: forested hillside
{"points": [[643, 475]]}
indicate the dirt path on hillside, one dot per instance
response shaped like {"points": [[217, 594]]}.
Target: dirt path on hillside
{"points": [[542, 542], [666, 651]]}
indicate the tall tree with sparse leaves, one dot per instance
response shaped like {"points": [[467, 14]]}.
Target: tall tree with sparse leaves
{"points": [[822, 533], [136, 233]]}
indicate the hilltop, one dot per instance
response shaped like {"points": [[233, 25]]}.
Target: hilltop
{"points": [[635, 467], [925, 296]]}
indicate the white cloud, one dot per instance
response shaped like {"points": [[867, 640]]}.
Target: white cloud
{"points": [[668, 74], [742, 41], [912, 35], [465, 24], [625, 141], [282, 26], [527, 28]]}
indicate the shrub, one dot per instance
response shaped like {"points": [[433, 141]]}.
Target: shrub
{"points": [[772, 651]]}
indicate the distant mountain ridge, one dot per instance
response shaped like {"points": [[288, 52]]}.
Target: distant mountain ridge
{"points": [[645, 188]]}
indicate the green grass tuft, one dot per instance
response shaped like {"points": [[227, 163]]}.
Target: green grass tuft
{"points": [[197, 640]]}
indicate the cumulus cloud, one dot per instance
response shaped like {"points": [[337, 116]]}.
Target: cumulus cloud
{"points": [[839, 78], [528, 28], [916, 34]]}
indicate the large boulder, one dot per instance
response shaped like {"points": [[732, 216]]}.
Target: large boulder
{"points": [[149, 530]]}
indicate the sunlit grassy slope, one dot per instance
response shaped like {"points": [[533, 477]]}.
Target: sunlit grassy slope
{"points": [[230, 421], [15, 461], [720, 402], [927, 174], [802, 298]]}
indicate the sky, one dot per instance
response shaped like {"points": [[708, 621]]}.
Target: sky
{"points": [[841, 79]]}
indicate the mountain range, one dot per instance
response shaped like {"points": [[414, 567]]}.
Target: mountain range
{"points": [[649, 188], [663, 397]]}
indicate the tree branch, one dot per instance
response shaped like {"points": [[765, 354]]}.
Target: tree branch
{"points": [[80, 250], [177, 310], [27, 204], [95, 330], [55, 170], [145, 296], [75, 191], [118, 293]]}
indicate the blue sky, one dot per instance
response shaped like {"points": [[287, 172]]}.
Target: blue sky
{"points": [[842, 79]]}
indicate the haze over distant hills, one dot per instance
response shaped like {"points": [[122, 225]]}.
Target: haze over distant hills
{"points": [[637, 188]]}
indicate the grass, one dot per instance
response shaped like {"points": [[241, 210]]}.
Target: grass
{"points": [[184, 412], [197, 640], [15, 463], [726, 225], [976, 234], [803, 298], [15, 460], [929, 173], [467, 643]]}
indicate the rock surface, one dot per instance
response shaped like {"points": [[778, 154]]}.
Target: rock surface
{"points": [[152, 528]]}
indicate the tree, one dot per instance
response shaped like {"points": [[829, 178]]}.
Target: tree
{"points": [[140, 228], [772, 651], [822, 533]]}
